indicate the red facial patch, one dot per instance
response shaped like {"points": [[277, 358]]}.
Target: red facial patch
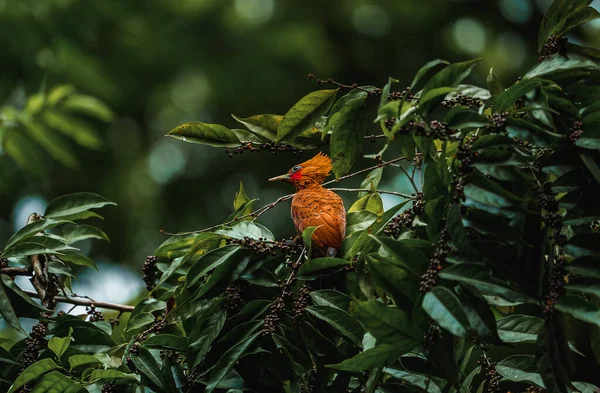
{"points": [[296, 175]]}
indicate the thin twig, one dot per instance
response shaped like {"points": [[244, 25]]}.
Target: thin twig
{"points": [[295, 271], [412, 181], [406, 196], [16, 271], [86, 302], [380, 165], [368, 137]]}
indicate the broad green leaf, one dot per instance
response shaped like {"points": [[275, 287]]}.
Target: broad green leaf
{"points": [[139, 320], [227, 361], [450, 76], [391, 276], [27, 155], [331, 298], [206, 134], [33, 372], [49, 140], [27, 249], [78, 259], [558, 66], [167, 342], [147, 365], [404, 254], [59, 345], [210, 261], [581, 245], [262, 125], [444, 307], [81, 132], [377, 356], [340, 320], [75, 233], [7, 310], [585, 267], [56, 382], [66, 206], [250, 229], [175, 246], [371, 181], [388, 324], [430, 69], [307, 237], [321, 266], [371, 202], [421, 381], [304, 114], [113, 375], [507, 99], [481, 318], [81, 360], [520, 368], [517, 328], [579, 308], [432, 97], [347, 124], [242, 205], [31, 230], [494, 83], [88, 105], [205, 331], [555, 21], [225, 273]]}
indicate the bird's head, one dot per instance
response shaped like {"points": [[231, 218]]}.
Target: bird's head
{"points": [[311, 172]]}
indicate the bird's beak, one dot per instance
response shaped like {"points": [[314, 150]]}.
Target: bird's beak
{"points": [[280, 178]]}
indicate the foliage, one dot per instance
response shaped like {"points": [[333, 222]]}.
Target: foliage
{"points": [[495, 259]]}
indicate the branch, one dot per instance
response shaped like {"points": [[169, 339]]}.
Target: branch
{"points": [[86, 302], [259, 212], [406, 196], [15, 271]]}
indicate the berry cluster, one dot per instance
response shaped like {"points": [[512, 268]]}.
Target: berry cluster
{"points": [[389, 123], [150, 271], [3, 263], [33, 344], [576, 130], [436, 263], [263, 246], [277, 308], [94, 315], [465, 158], [405, 219], [527, 146], [439, 129], [432, 334], [110, 387], [301, 303], [190, 378], [405, 94], [557, 282], [535, 389], [272, 147], [156, 327], [546, 197], [498, 121], [233, 295], [418, 128], [553, 46], [492, 376], [462, 100]]}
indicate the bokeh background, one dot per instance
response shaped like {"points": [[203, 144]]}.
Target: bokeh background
{"points": [[160, 63]]}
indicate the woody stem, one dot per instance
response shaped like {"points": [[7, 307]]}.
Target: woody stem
{"points": [[406, 196], [86, 302]]}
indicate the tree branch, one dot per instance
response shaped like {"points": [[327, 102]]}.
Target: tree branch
{"points": [[15, 271], [380, 165], [86, 302], [406, 196]]}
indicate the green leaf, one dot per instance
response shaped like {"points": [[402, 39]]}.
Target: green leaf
{"points": [[517, 328], [81, 360], [483, 279], [579, 308], [375, 357], [450, 76], [88, 105], [494, 83], [584, 244], [556, 16], [209, 261], [558, 66], [175, 246], [347, 124], [388, 324], [585, 267], [250, 229], [225, 273], [167, 342], [205, 331], [421, 381], [304, 114], [75, 233], [321, 264], [430, 69], [331, 298], [55, 382], [403, 253], [7, 310], [59, 345], [147, 365], [371, 181], [49, 140], [28, 156], [444, 307], [66, 206], [391, 276], [507, 99], [27, 249], [113, 375], [241, 201], [340, 320], [139, 320], [307, 236], [33, 372], [432, 97], [370, 202], [78, 259], [31, 230], [206, 134], [227, 361], [520, 368], [262, 125], [81, 132]]}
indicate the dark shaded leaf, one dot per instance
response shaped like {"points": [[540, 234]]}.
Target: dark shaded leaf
{"points": [[444, 307], [206, 134], [340, 320], [304, 114], [33, 372]]}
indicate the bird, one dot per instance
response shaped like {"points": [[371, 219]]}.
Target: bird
{"points": [[314, 205]]}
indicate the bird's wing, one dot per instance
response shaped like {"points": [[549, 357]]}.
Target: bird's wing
{"points": [[324, 209]]}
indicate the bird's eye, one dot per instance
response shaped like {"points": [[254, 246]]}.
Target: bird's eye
{"points": [[296, 168]]}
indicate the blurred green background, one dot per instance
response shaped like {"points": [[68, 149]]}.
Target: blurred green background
{"points": [[160, 63]]}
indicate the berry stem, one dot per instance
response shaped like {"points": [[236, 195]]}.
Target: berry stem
{"points": [[86, 302]]}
